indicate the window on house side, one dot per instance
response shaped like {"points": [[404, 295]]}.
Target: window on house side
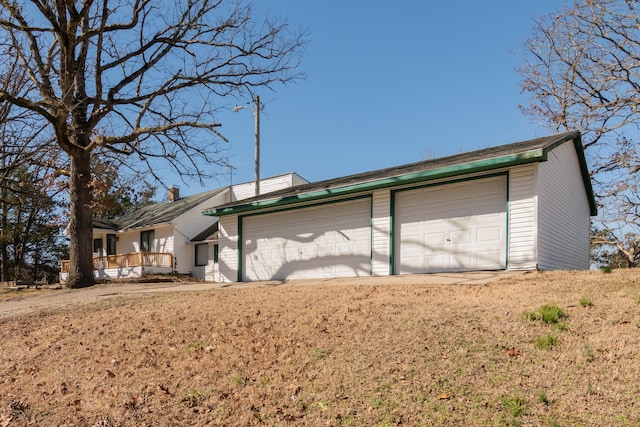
{"points": [[97, 247], [146, 241], [111, 244], [202, 254]]}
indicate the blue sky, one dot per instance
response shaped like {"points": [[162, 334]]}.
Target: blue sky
{"points": [[388, 85]]}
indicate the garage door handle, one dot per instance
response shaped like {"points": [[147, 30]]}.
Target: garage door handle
{"points": [[448, 240]]}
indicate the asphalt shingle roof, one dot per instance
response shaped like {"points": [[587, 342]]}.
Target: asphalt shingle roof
{"points": [[486, 154], [157, 213]]}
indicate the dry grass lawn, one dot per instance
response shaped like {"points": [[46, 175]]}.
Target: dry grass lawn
{"points": [[365, 355]]}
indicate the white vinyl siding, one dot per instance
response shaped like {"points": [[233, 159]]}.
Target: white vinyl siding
{"points": [[381, 233], [329, 240], [228, 261], [523, 217], [187, 226], [128, 241], [192, 222], [451, 227], [247, 189], [209, 271], [564, 217]]}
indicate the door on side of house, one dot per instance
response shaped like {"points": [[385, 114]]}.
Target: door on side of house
{"points": [[451, 227], [322, 241]]}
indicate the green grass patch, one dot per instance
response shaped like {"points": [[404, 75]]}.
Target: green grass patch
{"points": [[551, 313], [196, 347], [546, 341], [542, 397], [532, 316], [515, 404], [589, 354], [586, 302], [318, 353], [548, 313]]}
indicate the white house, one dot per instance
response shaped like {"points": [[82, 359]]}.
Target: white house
{"points": [[525, 205], [170, 237]]}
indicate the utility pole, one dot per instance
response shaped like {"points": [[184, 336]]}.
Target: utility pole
{"points": [[257, 152], [256, 113]]}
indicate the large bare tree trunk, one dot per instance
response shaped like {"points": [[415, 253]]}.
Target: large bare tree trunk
{"points": [[122, 76], [80, 222]]}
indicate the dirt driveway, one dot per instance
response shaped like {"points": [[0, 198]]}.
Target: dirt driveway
{"points": [[65, 297]]}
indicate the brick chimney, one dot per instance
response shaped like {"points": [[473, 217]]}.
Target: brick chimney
{"points": [[174, 193]]}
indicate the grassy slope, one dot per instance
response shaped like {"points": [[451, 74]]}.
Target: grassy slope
{"points": [[333, 355]]}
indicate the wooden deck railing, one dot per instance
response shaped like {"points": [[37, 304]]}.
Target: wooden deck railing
{"points": [[134, 259]]}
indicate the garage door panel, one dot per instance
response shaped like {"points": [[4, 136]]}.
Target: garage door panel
{"points": [[459, 260], [489, 235], [486, 261], [432, 262], [344, 248], [324, 250], [464, 230], [434, 239], [331, 240], [461, 237]]}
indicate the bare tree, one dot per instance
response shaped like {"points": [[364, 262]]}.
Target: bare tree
{"points": [[582, 71], [143, 78]]}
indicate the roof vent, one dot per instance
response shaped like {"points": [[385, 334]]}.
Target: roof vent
{"points": [[174, 193]]}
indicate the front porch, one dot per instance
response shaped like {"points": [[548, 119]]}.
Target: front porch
{"points": [[126, 266]]}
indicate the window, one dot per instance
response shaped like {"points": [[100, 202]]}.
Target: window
{"points": [[111, 244], [216, 250], [202, 254], [97, 247], [146, 241]]}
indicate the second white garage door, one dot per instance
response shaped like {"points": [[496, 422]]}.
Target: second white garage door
{"points": [[332, 240], [453, 227]]}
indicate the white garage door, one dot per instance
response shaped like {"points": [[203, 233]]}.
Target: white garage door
{"points": [[453, 227], [332, 240]]}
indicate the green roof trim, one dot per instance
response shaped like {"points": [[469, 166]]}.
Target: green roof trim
{"points": [[467, 163], [444, 172]]}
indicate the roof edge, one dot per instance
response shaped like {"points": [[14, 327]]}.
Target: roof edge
{"points": [[531, 156]]}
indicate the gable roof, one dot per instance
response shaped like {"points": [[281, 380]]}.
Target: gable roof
{"points": [[157, 213], [518, 153]]}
